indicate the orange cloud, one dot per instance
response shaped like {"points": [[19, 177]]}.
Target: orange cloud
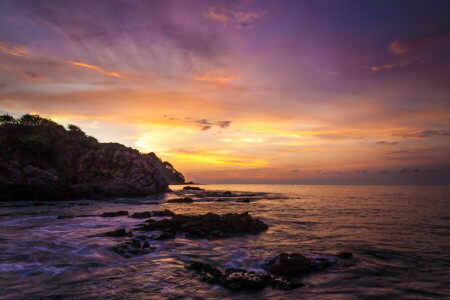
{"points": [[404, 63], [14, 50], [98, 69], [217, 79], [413, 43]]}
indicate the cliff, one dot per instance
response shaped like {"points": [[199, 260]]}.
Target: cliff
{"points": [[40, 159]]}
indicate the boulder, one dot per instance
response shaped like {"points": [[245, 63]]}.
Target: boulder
{"points": [[295, 264], [194, 188], [209, 225], [132, 248], [163, 213], [345, 255], [115, 214], [240, 279], [180, 200], [141, 215]]}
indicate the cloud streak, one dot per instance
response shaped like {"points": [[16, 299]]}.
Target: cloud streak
{"points": [[420, 41]]}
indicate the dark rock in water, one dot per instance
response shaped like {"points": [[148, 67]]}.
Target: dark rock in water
{"points": [[132, 248], [164, 236], [227, 193], [163, 213], [239, 279], [79, 216], [41, 160], [117, 233], [115, 214], [209, 225], [194, 188], [345, 255], [65, 217], [141, 215], [295, 264], [208, 274], [243, 200], [181, 200]]}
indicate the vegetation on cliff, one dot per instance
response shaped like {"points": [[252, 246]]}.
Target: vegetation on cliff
{"points": [[40, 159]]}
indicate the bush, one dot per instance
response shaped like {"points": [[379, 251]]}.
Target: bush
{"points": [[7, 119], [35, 120], [34, 143], [75, 129]]}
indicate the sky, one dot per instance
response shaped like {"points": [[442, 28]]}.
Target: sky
{"points": [[293, 92]]}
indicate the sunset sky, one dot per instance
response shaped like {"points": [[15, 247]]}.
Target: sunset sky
{"points": [[313, 92]]}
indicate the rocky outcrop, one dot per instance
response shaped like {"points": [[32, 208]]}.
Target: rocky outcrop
{"points": [[171, 175], [295, 264], [284, 272], [40, 159], [240, 279], [209, 225]]}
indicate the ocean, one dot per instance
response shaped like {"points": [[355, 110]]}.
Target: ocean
{"points": [[399, 237]]}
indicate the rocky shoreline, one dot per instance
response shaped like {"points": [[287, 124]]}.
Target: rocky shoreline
{"points": [[282, 271]]}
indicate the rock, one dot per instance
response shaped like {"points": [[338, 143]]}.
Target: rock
{"points": [[209, 225], [65, 217], [141, 215], [345, 255], [243, 200], [295, 264], [181, 200], [208, 274], [194, 188], [163, 213], [117, 233], [41, 160], [115, 214], [132, 248], [239, 279], [227, 193], [164, 236]]}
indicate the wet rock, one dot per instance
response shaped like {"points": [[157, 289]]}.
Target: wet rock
{"points": [[117, 233], [115, 214], [194, 188], [163, 213], [164, 236], [345, 255], [227, 193], [295, 264], [132, 248], [239, 279], [209, 225], [79, 216], [243, 200], [207, 273], [141, 215], [65, 217], [181, 200]]}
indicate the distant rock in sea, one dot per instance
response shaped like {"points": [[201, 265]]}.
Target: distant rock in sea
{"points": [[41, 160]]}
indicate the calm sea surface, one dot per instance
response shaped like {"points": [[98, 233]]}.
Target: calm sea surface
{"points": [[399, 235]]}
